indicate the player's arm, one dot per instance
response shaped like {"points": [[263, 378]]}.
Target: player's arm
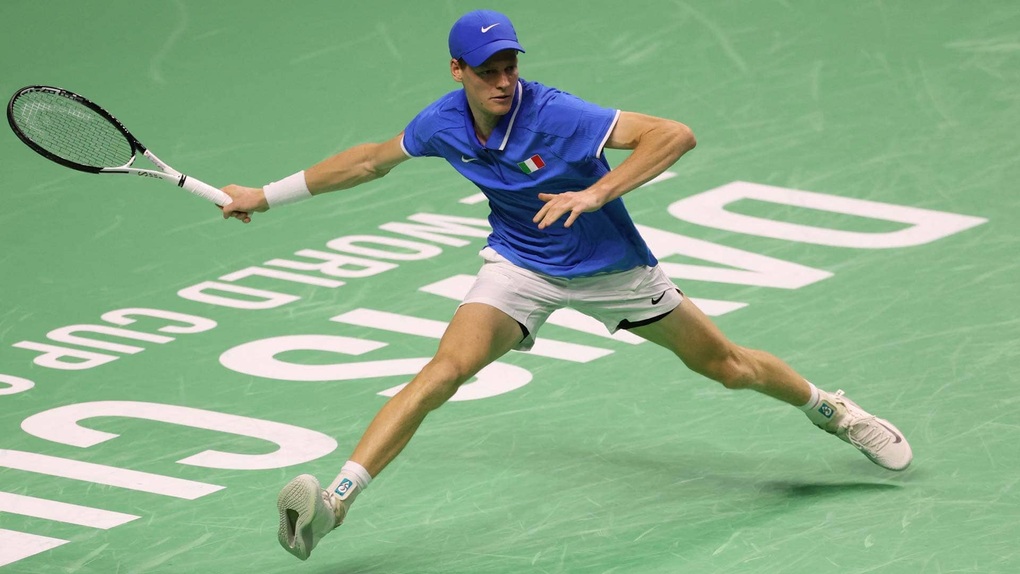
{"points": [[656, 144], [355, 166], [351, 167]]}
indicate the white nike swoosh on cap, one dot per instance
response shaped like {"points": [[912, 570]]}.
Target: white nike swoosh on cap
{"points": [[487, 28]]}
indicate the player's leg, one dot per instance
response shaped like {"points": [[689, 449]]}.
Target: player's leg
{"points": [[477, 335], [704, 349]]}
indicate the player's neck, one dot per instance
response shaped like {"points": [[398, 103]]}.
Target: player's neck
{"points": [[484, 124]]}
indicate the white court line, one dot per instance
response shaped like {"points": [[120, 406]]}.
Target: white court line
{"points": [[62, 511], [16, 546]]}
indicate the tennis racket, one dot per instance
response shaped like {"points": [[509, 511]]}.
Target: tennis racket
{"points": [[76, 133]]}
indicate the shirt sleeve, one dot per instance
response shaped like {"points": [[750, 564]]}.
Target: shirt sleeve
{"points": [[416, 137], [583, 127]]}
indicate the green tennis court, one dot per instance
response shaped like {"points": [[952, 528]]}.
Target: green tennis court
{"points": [[851, 207]]}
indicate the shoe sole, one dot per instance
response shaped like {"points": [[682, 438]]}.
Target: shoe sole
{"points": [[296, 504]]}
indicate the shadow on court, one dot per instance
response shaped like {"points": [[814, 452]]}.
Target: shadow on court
{"points": [[810, 490], [629, 509]]}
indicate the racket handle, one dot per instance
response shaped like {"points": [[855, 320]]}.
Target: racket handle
{"points": [[204, 190]]}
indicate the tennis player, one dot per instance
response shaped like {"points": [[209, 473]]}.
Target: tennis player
{"points": [[561, 236]]}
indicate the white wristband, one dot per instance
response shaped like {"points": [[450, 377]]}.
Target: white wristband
{"points": [[288, 190]]}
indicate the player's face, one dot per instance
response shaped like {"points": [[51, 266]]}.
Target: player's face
{"points": [[490, 86]]}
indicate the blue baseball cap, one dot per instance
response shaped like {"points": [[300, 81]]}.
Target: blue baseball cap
{"points": [[477, 35]]}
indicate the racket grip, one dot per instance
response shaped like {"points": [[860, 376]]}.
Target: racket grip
{"points": [[205, 191]]}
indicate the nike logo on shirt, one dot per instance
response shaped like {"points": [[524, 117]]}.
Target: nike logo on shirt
{"points": [[468, 159], [487, 28]]}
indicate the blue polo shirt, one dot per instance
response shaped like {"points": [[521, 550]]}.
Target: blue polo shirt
{"points": [[550, 142]]}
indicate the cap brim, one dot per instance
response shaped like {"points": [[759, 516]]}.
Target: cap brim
{"points": [[478, 56]]}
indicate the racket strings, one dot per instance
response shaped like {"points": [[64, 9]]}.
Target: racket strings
{"points": [[71, 130]]}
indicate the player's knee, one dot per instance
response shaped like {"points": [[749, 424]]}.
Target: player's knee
{"points": [[731, 375], [731, 369], [439, 381]]}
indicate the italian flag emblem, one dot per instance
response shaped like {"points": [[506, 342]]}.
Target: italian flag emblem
{"points": [[532, 164]]}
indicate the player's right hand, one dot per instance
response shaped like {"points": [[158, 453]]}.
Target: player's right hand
{"points": [[246, 201]]}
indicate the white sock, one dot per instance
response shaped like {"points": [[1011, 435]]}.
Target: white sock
{"points": [[817, 409], [353, 478]]}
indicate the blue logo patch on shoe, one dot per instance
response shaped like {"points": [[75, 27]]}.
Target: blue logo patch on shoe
{"points": [[344, 487], [826, 410]]}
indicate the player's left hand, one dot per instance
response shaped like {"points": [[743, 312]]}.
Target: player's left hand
{"points": [[557, 204]]}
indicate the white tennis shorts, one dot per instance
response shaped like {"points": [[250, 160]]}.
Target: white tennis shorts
{"points": [[619, 300]]}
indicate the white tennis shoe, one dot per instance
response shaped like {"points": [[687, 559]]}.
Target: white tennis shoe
{"points": [[307, 513], [877, 438]]}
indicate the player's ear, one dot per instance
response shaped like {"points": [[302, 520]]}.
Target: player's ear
{"points": [[456, 70]]}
